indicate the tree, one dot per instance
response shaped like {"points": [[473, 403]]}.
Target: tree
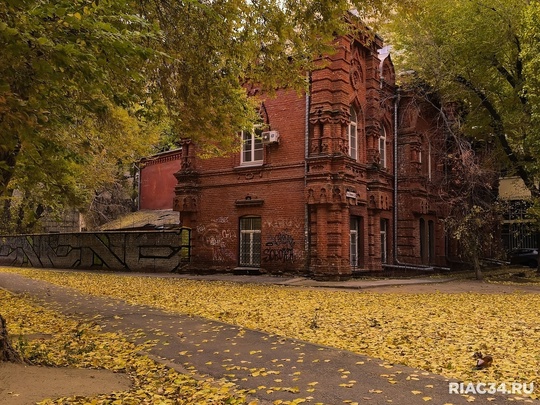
{"points": [[72, 80], [471, 198], [77, 73], [218, 54], [7, 352], [483, 54]]}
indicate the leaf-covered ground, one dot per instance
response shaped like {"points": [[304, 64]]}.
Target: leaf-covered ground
{"points": [[436, 332], [77, 344]]}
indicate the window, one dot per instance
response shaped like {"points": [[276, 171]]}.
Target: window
{"points": [[382, 147], [431, 241], [252, 148], [423, 241], [427, 241], [250, 241], [384, 241], [353, 135], [354, 241], [429, 160]]}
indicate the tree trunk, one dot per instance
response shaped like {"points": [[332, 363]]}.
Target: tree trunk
{"points": [[7, 352], [477, 268]]}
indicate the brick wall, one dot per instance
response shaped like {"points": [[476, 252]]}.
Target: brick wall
{"points": [[309, 189], [157, 180]]}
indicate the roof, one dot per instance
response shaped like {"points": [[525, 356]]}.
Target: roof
{"points": [[513, 188], [144, 220]]}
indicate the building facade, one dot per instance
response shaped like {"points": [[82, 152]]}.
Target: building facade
{"points": [[156, 180], [341, 180]]}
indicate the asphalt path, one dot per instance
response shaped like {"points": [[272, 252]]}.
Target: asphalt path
{"points": [[272, 367]]}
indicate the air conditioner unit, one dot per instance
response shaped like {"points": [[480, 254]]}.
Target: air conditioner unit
{"points": [[269, 137]]}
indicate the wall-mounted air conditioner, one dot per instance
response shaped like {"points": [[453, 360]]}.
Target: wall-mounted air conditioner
{"points": [[269, 137]]}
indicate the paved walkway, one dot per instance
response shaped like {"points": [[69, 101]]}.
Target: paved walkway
{"points": [[275, 368], [355, 283]]}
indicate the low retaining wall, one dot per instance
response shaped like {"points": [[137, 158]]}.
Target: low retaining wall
{"points": [[144, 251]]}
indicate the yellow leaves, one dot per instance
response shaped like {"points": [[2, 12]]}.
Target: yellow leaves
{"points": [[293, 402], [82, 345], [430, 332]]}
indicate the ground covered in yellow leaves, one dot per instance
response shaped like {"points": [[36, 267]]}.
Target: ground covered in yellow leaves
{"points": [[435, 332], [47, 338]]}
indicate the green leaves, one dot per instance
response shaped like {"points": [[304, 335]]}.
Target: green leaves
{"points": [[70, 96], [68, 66], [481, 54]]}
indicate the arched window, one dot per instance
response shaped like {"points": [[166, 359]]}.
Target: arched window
{"points": [[382, 147], [353, 135]]}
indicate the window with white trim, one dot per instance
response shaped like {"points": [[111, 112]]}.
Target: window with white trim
{"points": [[384, 241], [252, 148], [353, 134], [382, 147], [250, 241], [354, 241]]}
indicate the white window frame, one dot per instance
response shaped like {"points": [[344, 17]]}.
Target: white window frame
{"points": [[382, 147], [250, 238], [252, 145], [384, 240], [352, 135], [354, 241]]}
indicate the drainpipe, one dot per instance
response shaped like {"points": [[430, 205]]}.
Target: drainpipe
{"points": [[137, 179], [307, 243], [397, 98]]}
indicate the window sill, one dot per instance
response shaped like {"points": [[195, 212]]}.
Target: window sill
{"points": [[250, 165]]}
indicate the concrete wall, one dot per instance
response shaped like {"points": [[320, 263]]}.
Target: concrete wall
{"points": [[162, 251]]}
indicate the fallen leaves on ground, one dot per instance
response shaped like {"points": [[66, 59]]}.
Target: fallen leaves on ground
{"points": [[76, 344], [434, 332]]}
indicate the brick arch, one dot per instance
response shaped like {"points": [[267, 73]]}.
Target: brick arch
{"points": [[386, 123], [387, 71], [357, 74]]}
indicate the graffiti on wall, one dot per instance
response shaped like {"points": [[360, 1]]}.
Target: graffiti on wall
{"points": [[218, 239], [124, 251], [284, 223], [279, 248]]}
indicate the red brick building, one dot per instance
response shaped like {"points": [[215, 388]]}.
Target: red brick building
{"points": [[157, 181], [317, 191]]}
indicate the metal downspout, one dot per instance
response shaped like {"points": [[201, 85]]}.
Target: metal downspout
{"points": [[396, 172]]}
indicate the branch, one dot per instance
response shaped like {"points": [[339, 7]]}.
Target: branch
{"points": [[498, 128]]}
